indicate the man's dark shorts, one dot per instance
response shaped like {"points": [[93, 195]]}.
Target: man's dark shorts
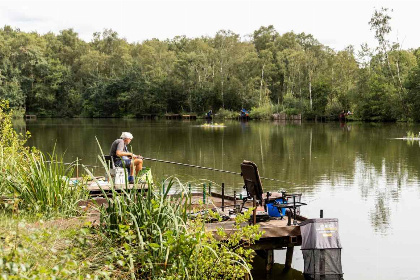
{"points": [[123, 163]]}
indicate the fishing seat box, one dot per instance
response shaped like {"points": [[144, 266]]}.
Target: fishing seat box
{"points": [[118, 174], [273, 211]]}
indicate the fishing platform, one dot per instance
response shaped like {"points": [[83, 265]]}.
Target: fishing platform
{"points": [[180, 117], [277, 214]]}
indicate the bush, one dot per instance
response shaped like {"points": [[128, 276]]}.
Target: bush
{"points": [[37, 184], [226, 114], [334, 109], [291, 102], [13, 152], [263, 113]]}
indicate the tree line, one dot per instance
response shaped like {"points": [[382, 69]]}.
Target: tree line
{"points": [[61, 75]]}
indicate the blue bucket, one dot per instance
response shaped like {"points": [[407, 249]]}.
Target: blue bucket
{"points": [[274, 211]]}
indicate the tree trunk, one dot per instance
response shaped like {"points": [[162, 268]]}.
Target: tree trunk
{"points": [[261, 83], [310, 92]]}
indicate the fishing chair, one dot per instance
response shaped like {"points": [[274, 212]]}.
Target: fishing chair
{"points": [[253, 186], [252, 182]]}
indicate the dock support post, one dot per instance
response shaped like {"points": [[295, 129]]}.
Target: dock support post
{"points": [[269, 261], [223, 197], [289, 257], [204, 193], [234, 201], [189, 197], [254, 212]]}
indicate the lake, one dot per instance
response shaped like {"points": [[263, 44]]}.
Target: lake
{"points": [[355, 172]]}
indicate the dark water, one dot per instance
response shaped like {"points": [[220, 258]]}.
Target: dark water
{"points": [[356, 172]]}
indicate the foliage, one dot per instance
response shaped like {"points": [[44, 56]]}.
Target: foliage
{"points": [[58, 249], [153, 237], [411, 135], [64, 76], [13, 152], [37, 184], [263, 112], [226, 114]]}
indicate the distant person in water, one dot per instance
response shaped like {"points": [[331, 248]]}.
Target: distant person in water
{"points": [[244, 113], [123, 158]]}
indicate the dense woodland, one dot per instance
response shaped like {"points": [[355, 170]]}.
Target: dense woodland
{"points": [[60, 75]]}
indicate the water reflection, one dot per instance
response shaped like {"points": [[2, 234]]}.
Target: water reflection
{"points": [[259, 273]]}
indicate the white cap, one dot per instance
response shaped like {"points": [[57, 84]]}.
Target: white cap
{"points": [[125, 135]]}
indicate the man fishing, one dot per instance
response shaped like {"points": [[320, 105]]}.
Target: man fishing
{"points": [[123, 158]]}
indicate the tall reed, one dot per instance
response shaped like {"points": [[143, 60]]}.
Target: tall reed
{"points": [[154, 238], [43, 185]]}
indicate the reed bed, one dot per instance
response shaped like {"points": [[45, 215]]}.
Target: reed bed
{"points": [[43, 185], [155, 238]]}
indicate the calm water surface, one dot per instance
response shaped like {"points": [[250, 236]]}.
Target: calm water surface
{"points": [[356, 172]]}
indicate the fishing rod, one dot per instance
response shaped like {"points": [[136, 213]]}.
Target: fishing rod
{"points": [[212, 169]]}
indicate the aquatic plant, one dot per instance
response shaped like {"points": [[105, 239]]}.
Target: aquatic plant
{"points": [[411, 135]]}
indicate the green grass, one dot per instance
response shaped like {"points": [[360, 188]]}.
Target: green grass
{"points": [[31, 248]]}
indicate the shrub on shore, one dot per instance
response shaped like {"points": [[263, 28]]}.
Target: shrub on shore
{"points": [[226, 114], [35, 182]]}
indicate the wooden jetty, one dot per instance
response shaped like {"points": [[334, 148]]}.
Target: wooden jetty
{"points": [[278, 233], [98, 188], [189, 117], [173, 116], [281, 233], [180, 117]]}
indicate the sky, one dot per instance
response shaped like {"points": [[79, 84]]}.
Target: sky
{"points": [[337, 23]]}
